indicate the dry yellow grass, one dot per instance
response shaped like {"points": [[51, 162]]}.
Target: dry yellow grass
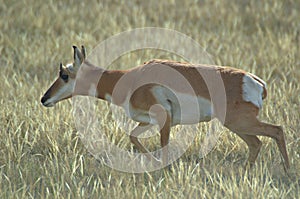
{"points": [[40, 153]]}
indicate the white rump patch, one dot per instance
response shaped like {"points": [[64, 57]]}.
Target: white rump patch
{"points": [[253, 90]]}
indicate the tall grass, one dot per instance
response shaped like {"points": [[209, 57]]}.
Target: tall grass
{"points": [[41, 156]]}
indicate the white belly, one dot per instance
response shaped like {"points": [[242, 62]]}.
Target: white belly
{"points": [[192, 110], [185, 108]]}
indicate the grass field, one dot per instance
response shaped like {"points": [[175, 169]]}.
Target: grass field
{"points": [[41, 156]]}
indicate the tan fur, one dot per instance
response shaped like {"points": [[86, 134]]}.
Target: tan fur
{"points": [[58, 83], [241, 116]]}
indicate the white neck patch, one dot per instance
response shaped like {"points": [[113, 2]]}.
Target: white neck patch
{"points": [[93, 90], [107, 97]]}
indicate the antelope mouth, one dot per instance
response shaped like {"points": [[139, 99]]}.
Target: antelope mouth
{"points": [[48, 104]]}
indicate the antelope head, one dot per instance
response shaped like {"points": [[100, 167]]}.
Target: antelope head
{"points": [[63, 86]]}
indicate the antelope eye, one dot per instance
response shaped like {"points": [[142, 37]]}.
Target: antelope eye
{"points": [[65, 77]]}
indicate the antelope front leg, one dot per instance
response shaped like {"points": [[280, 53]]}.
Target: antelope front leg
{"points": [[139, 129], [164, 138]]}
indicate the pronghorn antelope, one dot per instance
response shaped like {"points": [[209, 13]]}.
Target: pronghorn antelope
{"points": [[154, 103]]}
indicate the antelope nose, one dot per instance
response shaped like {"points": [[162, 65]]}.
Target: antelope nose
{"points": [[43, 99]]}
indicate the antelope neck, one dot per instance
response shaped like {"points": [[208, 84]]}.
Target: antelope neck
{"points": [[96, 82]]}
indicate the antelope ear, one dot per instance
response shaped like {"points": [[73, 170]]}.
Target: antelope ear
{"points": [[78, 57], [83, 52]]}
